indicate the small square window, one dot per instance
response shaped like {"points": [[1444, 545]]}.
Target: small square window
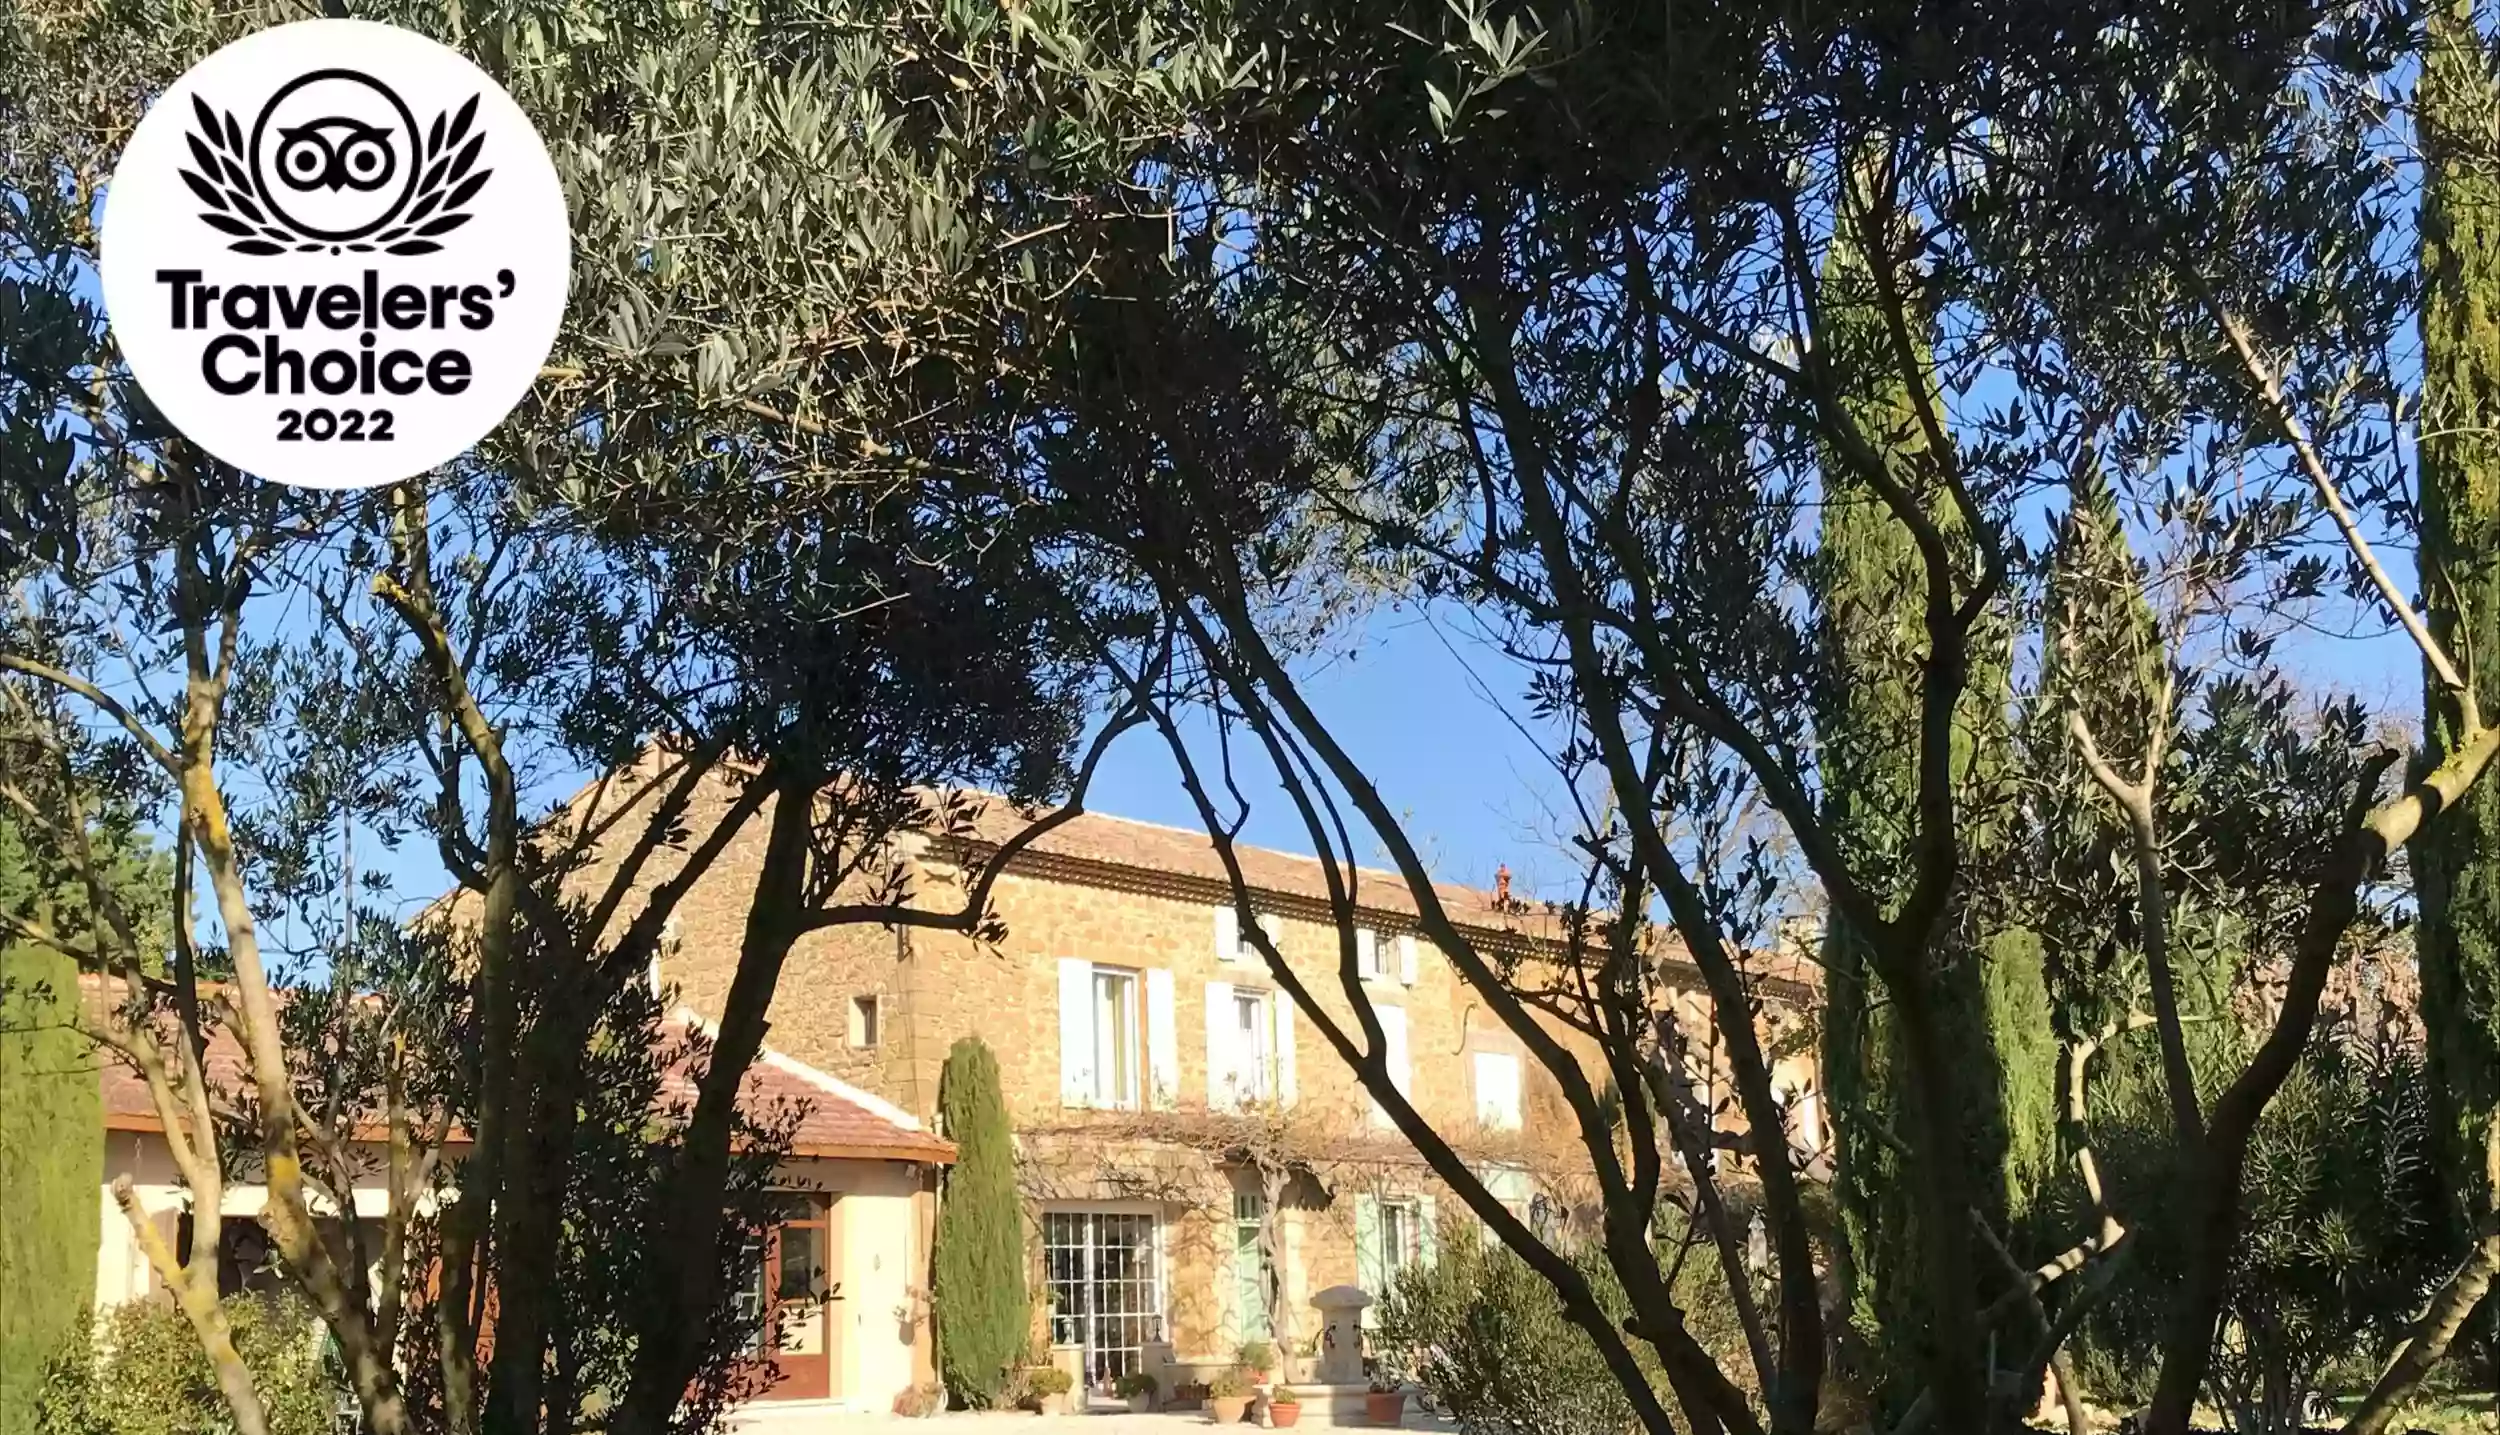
{"points": [[1367, 955], [865, 1021]]}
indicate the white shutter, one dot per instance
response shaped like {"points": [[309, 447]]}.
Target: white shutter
{"points": [[1510, 1186], [1274, 926], [1497, 1090], [1366, 953], [1163, 1041], [1393, 1026], [1076, 1032], [1406, 958], [1221, 1083], [1227, 935], [1282, 1002]]}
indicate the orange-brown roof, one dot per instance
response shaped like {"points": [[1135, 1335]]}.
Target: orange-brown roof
{"points": [[834, 1120], [1124, 843]]}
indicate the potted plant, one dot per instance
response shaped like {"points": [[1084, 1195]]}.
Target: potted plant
{"points": [[1284, 1406], [1258, 1357], [1228, 1396], [1050, 1386], [1138, 1389], [1385, 1402]]}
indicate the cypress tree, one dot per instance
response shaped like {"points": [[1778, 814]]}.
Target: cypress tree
{"points": [[2456, 859], [1990, 996], [51, 1156], [977, 1289]]}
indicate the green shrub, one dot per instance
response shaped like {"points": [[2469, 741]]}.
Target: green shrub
{"points": [[1229, 1382], [1485, 1335], [978, 1293], [1051, 1380], [1136, 1382], [2343, 1241], [142, 1372]]}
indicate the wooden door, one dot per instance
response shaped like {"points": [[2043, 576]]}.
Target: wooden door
{"points": [[802, 1296]]}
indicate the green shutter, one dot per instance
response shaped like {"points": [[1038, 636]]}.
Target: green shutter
{"points": [[1369, 1271], [1428, 1238]]}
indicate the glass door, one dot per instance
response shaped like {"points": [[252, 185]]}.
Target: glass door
{"points": [[1106, 1284], [799, 1294]]}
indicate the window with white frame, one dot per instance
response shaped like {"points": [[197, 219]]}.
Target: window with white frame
{"points": [[1249, 1046], [1100, 1046], [1497, 1090], [1115, 1037], [1253, 1046], [1367, 963], [1391, 1234], [1401, 1235], [1233, 944]]}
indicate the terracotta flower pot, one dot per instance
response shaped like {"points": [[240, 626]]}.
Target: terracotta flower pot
{"points": [[1228, 1409], [1385, 1407], [1286, 1414]]}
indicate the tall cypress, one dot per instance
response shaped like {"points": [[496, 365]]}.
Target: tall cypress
{"points": [[1990, 995], [2456, 859], [51, 1154], [977, 1289]]}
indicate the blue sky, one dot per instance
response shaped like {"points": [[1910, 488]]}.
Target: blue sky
{"points": [[1432, 714]]}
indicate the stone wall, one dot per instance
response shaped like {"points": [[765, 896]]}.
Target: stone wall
{"points": [[935, 986]]}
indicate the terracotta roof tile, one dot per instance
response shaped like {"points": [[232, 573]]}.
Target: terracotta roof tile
{"points": [[835, 1120], [1189, 854]]}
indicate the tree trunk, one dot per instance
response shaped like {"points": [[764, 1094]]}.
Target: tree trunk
{"points": [[529, 1224], [687, 1275]]}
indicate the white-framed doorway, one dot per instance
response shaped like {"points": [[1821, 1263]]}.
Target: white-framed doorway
{"points": [[1104, 1266]]}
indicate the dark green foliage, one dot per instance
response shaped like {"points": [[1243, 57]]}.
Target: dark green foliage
{"points": [[977, 1287], [1485, 1335], [1990, 988], [142, 1373], [2456, 860], [51, 1161], [51, 1119], [2341, 1247]]}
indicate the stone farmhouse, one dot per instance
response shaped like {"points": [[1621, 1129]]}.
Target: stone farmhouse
{"points": [[1198, 1164]]}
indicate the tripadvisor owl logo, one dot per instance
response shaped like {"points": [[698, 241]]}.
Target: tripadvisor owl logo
{"points": [[335, 254], [335, 161]]}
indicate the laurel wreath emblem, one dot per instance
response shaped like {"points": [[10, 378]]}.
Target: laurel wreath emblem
{"points": [[438, 205]]}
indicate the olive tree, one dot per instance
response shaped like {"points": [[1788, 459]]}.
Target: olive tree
{"points": [[725, 555], [1530, 317]]}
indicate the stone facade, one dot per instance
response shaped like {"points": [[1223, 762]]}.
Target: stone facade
{"points": [[1163, 1174]]}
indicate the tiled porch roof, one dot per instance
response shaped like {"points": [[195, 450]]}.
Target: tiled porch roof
{"points": [[837, 1121]]}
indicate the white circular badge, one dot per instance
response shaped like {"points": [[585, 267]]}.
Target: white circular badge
{"points": [[335, 254]]}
